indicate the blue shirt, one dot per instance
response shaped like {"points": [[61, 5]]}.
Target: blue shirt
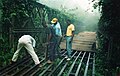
{"points": [[57, 29]]}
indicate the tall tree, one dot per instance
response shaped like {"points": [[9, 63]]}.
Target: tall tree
{"points": [[109, 34]]}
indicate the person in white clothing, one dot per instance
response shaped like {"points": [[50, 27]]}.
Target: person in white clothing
{"points": [[28, 42]]}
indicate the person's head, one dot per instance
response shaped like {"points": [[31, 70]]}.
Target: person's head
{"points": [[54, 21], [44, 23], [68, 22]]}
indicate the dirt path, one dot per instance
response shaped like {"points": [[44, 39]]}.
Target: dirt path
{"points": [[82, 41]]}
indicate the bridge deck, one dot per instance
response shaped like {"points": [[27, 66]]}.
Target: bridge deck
{"points": [[82, 41], [82, 63]]}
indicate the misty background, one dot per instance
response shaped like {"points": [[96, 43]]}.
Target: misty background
{"points": [[86, 17]]}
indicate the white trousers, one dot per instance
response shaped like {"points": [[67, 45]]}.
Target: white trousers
{"points": [[30, 50]]}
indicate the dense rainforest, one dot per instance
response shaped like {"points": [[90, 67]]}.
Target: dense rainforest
{"points": [[18, 17], [108, 37], [28, 13]]}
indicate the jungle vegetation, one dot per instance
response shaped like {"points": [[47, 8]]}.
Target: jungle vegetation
{"points": [[25, 13], [108, 34], [18, 17]]}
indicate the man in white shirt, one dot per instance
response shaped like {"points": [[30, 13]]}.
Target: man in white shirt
{"points": [[28, 42]]}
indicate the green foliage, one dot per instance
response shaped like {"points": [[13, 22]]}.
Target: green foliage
{"points": [[24, 14], [5, 57], [108, 35]]}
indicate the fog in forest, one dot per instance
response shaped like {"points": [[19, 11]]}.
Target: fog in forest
{"points": [[85, 15]]}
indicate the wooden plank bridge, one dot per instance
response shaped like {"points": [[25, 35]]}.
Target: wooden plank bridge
{"points": [[82, 41], [82, 62]]}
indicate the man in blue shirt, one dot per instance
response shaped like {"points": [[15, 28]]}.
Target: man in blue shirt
{"points": [[56, 26], [54, 38]]}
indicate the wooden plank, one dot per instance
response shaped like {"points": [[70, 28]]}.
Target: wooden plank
{"points": [[82, 41]]}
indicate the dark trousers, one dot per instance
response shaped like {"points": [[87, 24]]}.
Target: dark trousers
{"points": [[57, 46], [51, 50]]}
